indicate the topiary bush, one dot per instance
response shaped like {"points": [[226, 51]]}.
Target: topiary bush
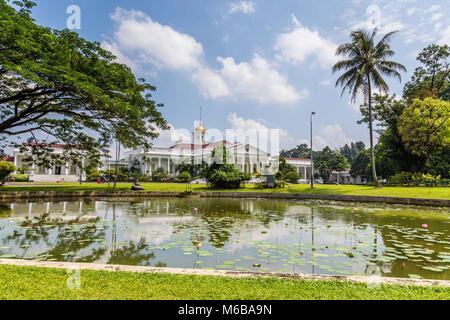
{"points": [[160, 175], [226, 176], [292, 177], [184, 177], [401, 178], [6, 168], [20, 178]]}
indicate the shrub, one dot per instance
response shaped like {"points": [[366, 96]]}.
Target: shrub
{"points": [[226, 176], [20, 178], [93, 175], [401, 178], [184, 177], [145, 178], [292, 177], [160, 175], [6, 168], [417, 179]]}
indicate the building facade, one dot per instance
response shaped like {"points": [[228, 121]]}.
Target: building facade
{"points": [[245, 157], [68, 172]]}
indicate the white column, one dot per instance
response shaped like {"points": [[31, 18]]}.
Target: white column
{"points": [[50, 171], [16, 161], [159, 163], [304, 173], [83, 172], [66, 169]]}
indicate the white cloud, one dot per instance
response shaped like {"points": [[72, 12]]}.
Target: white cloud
{"points": [[239, 123], [445, 37], [210, 83], [301, 43], [411, 11], [244, 6], [325, 83], [437, 16], [121, 57], [256, 80], [141, 41], [333, 136], [259, 81], [151, 42], [170, 137], [433, 8]]}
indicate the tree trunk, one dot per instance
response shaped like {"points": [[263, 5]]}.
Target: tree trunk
{"points": [[372, 151]]}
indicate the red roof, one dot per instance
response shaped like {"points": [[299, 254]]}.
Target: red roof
{"points": [[8, 158], [193, 146]]}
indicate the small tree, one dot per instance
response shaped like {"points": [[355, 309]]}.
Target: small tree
{"points": [[328, 161], [226, 176], [6, 168], [292, 177], [184, 177], [425, 128]]}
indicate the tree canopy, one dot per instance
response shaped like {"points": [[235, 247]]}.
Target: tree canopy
{"points": [[432, 77], [328, 161], [425, 126], [57, 85]]}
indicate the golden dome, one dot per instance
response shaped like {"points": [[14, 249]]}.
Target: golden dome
{"points": [[200, 128]]}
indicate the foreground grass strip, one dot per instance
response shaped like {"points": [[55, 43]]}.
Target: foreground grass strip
{"points": [[43, 283], [350, 190]]}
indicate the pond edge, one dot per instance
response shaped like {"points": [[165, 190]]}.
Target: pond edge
{"points": [[372, 281], [29, 195]]}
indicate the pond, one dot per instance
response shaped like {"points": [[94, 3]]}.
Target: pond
{"points": [[234, 234]]}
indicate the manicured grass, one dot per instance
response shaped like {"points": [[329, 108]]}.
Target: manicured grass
{"points": [[41, 283], [402, 192]]}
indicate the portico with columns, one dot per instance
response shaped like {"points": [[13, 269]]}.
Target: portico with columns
{"points": [[302, 167], [247, 158]]}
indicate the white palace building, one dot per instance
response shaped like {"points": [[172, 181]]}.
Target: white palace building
{"points": [[245, 156]]}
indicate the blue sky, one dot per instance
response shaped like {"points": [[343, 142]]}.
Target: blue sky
{"points": [[252, 63]]}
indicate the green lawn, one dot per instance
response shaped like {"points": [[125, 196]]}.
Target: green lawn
{"points": [[42, 283], [405, 192]]}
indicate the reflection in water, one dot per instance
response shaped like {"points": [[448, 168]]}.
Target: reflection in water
{"points": [[239, 234]]}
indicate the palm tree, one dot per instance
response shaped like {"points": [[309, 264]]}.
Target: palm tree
{"points": [[365, 64]]}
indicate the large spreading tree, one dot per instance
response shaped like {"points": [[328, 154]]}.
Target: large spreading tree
{"points": [[366, 63], [56, 87]]}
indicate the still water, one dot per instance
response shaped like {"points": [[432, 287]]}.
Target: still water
{"points": [[234, 234]]}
